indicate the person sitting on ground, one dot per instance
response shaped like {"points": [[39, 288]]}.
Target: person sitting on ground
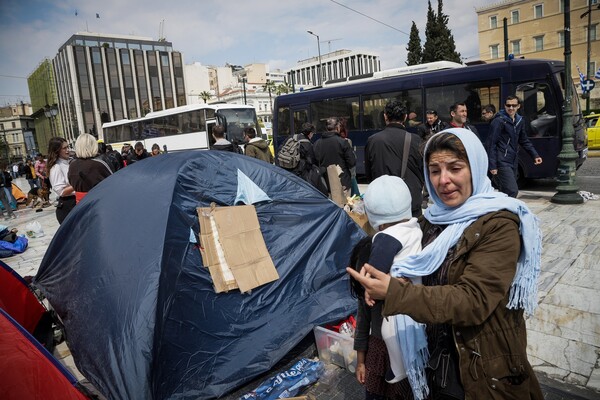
{"points": [[139, 153], [87, 170], [257, 147], [218, 133], [480, 265], [388, 205]]}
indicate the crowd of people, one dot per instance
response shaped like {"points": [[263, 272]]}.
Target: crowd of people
{"points": [[442, 288]]}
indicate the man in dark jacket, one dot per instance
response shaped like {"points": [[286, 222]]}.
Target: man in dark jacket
{"points": [[385, 151], [331, 149], [308, 168], [458, 117], [432, 125], [507, 133], [218, 133], [138, 154]]}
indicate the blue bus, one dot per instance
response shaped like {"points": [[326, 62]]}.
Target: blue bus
{"points": [[540, 84]]}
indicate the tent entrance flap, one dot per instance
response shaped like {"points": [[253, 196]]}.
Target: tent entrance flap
{"points": [[233, 248]]}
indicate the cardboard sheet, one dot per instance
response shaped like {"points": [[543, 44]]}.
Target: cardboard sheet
{"points": [[233, 248]]}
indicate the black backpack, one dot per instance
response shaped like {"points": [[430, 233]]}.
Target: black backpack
{"points": [[289, 155]]}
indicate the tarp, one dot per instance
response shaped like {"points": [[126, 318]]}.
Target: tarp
{"points": [[139, 309]]}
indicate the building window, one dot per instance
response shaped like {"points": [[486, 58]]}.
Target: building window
{"points": [[592, 69], [594, 2], [494, 51], [538, 11], [14, 124], [514, 16], [516, 47], [593, 31], [1, 127], [561, 39], [493, 22], [539, 43]]}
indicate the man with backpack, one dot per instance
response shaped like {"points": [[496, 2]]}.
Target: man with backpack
{"points": [[298, 156]]}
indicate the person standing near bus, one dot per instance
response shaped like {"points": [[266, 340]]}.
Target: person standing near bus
{"points": [[488, 112], [385, 155], [507, 133], [458, 115], [218, 133], [257, 147], [331, 149], [432, 125]]}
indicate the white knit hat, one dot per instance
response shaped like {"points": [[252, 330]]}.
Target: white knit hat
{"points": [[387, 199]]}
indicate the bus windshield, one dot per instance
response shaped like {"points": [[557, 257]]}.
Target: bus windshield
{"points": [[236, 120]]}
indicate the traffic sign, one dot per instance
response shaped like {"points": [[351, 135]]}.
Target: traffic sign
{"points": [[587, 85]]}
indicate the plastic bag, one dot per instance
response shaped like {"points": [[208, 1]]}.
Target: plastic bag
{"points": [[288, 383], [34, 229]]}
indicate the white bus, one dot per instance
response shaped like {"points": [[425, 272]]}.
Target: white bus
{"points": [[182, 128]]}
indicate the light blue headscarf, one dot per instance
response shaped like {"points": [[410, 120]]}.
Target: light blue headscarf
{"points": [[523, 290]]}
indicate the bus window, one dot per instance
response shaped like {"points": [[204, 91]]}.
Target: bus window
{"points": [[374, 104], [538, 109], [474, 95], [193, 121], [300, 117], [343, 108], [283, 121]]}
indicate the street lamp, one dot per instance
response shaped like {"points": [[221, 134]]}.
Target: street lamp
{"points": [[320, 66], [589, 40], [567, 189], [50, 112]]}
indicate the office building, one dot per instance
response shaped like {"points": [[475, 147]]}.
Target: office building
{"points": [[104, 77]]}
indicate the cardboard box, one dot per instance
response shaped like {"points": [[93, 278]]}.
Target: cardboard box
{"points": [[335, 348], [233, 248], [335, 185]]}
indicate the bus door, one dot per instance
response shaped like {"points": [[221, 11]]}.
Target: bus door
{"points": [[540, 112], [210, 123], [299, 116]]}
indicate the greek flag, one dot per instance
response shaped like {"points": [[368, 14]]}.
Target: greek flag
{"points": [[597, 74], [582, 78]]}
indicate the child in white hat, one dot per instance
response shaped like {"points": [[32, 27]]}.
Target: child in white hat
{"points": [[388, 208]]}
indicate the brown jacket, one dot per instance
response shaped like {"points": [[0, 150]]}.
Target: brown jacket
{"points": [[259, 149], [490, 339]]}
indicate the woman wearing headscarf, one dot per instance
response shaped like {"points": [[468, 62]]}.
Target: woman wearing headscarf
{"points": [[462, 333]]}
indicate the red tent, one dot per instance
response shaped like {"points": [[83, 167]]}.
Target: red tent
{"points": [[27, 369]]}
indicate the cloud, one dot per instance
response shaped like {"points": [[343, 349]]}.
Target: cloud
{"points": [[215, 32]]}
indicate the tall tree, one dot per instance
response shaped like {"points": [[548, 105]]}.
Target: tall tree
{"points": [[415, 52], [283, 88], [439, 41], [430, 35], [450, 53]]}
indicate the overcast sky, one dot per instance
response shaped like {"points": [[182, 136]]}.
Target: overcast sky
{"points": [[215, 32]]}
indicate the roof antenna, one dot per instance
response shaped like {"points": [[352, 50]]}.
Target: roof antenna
{"points": [[161, 29]]}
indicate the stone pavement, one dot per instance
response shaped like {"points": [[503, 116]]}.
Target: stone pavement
{"points": [[563, 335]]}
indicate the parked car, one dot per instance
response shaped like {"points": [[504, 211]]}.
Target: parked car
{"points": [[592, 122]]}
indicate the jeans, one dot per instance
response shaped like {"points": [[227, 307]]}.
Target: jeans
{"points": [[506, 179]]}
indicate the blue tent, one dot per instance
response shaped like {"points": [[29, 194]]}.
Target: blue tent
{"points": [[140, 312]]}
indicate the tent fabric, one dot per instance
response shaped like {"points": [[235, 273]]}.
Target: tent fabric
{"points": [[28, 370], [17, 299], [139, 309]]}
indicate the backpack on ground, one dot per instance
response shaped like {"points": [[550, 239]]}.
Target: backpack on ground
{"points": [[289, 155]]}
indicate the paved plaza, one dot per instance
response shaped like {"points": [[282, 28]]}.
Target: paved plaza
{"points": [[564, 333]]}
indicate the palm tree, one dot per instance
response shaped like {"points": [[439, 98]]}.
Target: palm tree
{"points": [[283, 88], [205, 96], [269, 87]]}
